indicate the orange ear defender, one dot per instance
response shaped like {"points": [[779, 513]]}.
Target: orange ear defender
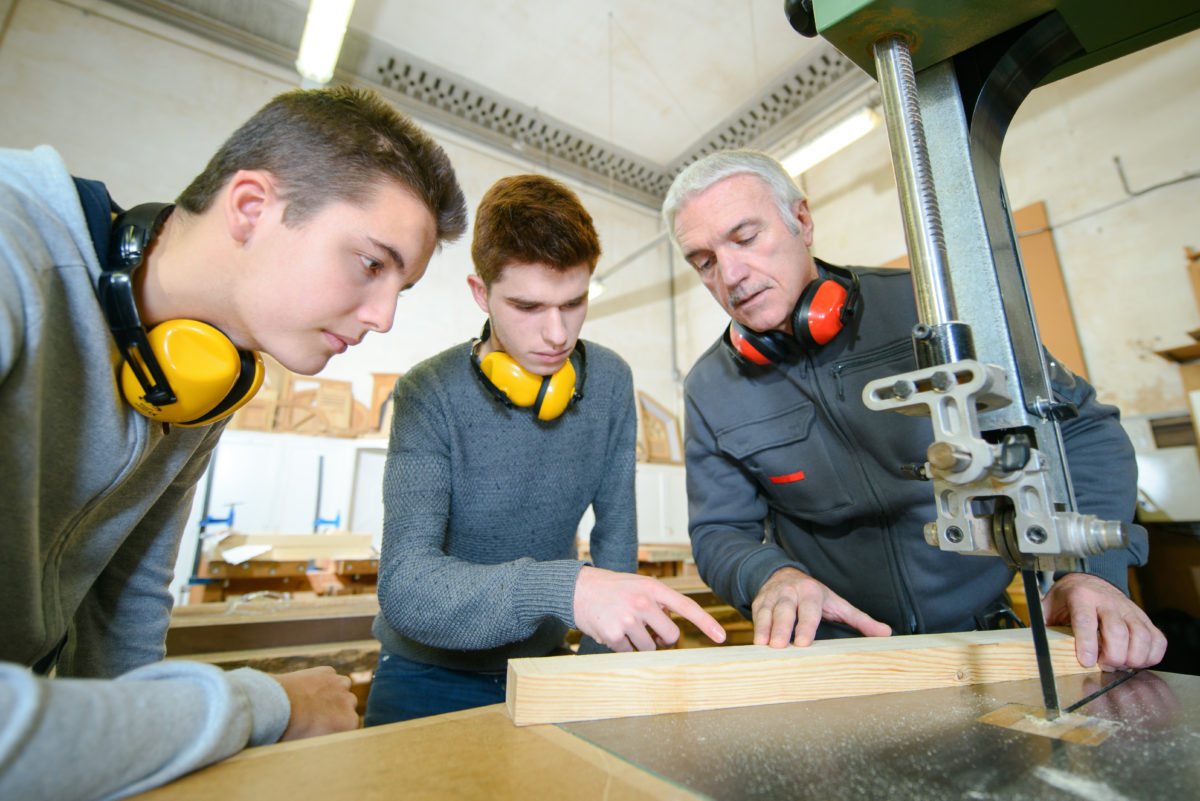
{"points": [[182, 372], [822, 310], [513, 385]]}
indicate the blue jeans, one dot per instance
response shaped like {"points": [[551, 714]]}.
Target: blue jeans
{"points": [[402, 690]]}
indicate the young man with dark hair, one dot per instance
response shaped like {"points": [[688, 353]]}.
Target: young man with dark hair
{"points": [[498, 447], [295, 241]]}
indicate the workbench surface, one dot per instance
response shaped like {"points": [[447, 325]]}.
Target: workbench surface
{"points": [[927, 744]]}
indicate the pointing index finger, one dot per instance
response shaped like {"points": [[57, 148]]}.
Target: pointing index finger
{"points": [[692, 611]]}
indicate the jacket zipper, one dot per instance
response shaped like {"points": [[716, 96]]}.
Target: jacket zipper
{"points": [[55, 556], [865, 360], [908, 609]]}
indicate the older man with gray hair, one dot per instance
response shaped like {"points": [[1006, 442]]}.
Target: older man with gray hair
{"points": [[800, 515]]}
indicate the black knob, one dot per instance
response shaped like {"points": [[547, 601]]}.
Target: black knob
{"points": [[800, 15]]}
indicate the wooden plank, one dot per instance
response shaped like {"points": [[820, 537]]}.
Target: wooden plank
{"points": [[204, 628], [1181, 353], [1047, 287], [245, 634], [598, 686], [344, 657], [687, 585], [292, 547], [272, 608], [255, 568]]}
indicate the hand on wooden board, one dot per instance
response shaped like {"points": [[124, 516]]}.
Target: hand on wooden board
{"points": [[791, 604], [1109, 628], [321, 702], [627, 612]]}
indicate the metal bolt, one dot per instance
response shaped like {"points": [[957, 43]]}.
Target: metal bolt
{"points": [[942, 380], [954, 534], [903, 389], [1036, 534], [944, 456]]}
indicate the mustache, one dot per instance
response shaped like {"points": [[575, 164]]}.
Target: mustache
{"points": [[741, 292]]}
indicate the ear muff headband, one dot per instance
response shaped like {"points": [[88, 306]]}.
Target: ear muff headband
{"points": [[182, 372], [131, 233], [513, 385]]}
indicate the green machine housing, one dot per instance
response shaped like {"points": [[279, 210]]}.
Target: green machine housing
{"points": [[939, 29]]}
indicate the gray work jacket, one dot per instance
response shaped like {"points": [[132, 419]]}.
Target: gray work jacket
{"points": [[853, 520]]}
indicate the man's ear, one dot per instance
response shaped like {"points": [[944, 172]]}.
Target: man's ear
{"points": [[479, 292], [803, 218], [248, 196]]}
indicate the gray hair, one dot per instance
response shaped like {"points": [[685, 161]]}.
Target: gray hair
{"points": [[703, 173]]}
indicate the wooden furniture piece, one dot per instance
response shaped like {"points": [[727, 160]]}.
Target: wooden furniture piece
{"points": [[379, 417], [269, 623], [296, 404], [738, 630], [662, 559], [563, 689], [258, 414], [658, 559], [221, 580], [661, 440], [279, 636], [1170, 580], [324, 564]]}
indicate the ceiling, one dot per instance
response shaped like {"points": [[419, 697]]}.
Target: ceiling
{"points": [[619, 93]]}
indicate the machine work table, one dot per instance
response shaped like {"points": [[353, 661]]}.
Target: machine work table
{"points": [[927, 744]]}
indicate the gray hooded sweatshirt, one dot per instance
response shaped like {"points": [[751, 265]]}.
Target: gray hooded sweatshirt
{"points": [[94, 500]]}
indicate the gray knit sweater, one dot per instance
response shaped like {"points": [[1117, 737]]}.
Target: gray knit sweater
{"points": [[481, 505]]}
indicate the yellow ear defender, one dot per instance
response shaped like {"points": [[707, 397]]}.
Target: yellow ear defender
{"points": [[210, 377], [550, 394], [182, 372], [513, 385]]}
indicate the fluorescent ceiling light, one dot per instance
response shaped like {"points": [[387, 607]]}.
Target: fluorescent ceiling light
{"points": [[595, 289], [849, 130], [322, 41]]}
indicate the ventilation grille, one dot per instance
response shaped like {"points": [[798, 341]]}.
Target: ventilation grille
{"points": [[532, 132], [755, 121], [270, 29], [525, 127]]}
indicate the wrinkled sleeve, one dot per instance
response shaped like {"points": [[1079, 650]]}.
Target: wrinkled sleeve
{"points": [[614, 536], [122, 623], [70, 739], [424, 593], [1103, 470], [727, 517]]}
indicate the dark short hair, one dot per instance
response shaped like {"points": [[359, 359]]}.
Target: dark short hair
{"points": [[335, 144], [532, 219]]}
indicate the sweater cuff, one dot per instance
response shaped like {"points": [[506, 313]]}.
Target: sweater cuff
{"points": [[1113, 567], [549, 590], [269, 704]]}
